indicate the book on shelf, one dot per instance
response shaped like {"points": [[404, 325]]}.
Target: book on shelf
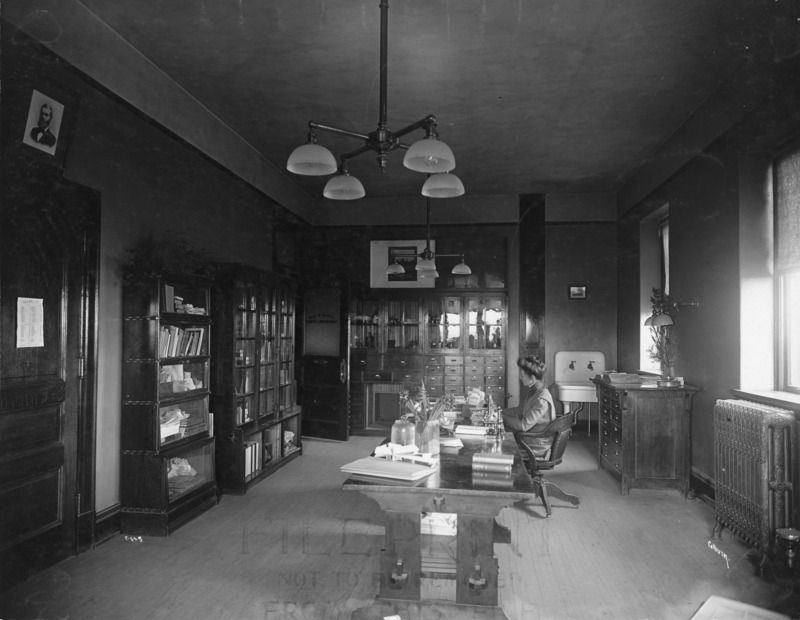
{"points": [[169, 298], [497, 480], [497, 463]]}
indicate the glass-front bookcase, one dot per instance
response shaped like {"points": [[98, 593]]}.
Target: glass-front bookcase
{"points": [[168, 453], [254, 390]]}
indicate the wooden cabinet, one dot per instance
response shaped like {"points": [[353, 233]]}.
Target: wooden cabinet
{"points": [[253, 384], [167, 461], [451, 342], [644, 435]]}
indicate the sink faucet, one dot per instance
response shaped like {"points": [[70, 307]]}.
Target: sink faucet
{"points": [[591, 365], [572, 365]]}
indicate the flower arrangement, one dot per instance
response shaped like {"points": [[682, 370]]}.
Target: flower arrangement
{"points": [[425, 415], [664, 347]]}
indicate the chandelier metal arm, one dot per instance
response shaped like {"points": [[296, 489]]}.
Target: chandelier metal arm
{"points": [[350, 154], [313, 125], [429, 123]]}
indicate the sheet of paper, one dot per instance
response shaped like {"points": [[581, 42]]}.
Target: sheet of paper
{"points": [[30, 322]]}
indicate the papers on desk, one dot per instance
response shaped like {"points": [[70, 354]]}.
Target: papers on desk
{"points": [[450, 442], [385, 468], [464, 429]]}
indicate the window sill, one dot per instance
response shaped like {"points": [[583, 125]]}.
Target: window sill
{"points": [[786, 400]]}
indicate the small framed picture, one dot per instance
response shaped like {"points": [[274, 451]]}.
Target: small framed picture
{"points": [[577, 291], [48, 120]]}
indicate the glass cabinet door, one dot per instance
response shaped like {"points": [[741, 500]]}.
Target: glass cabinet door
{"points": [[365, 324], [267, 364], [486, 329], [444, 324], [402, 324], [245, 350], [286, 338]]}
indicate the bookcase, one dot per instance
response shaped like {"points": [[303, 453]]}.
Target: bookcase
{"points": [[167, 461], [254, 390]]}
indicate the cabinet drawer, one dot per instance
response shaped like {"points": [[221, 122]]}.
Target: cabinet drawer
{"points": [[495, 380], [611, 432], [474, 381], [373, 362], [454, 380], [406, 376], [495, 361], [434, 369], [407, 362], [433, 359], [495, 390], [612, 453], [434, 391], [358, 360], [494, 371], [453, 360], [454, 370], [434, 380], [473, 369], [377, 375], [473, 360]]}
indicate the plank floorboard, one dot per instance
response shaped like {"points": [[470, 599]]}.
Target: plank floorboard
{"points": [[298, 547]]}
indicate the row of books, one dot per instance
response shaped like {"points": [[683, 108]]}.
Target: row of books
{"points": [[252, 457], [175, 303], [174, 341]]}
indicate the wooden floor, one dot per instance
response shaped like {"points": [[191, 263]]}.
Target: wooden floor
{"points": [[297, 547]]}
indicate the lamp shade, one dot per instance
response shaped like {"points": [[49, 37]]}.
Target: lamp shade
{"points": [[443, 185], [425, 264], [311, 160], [649, 320], [428, 273], [429, 155], [394, 269], [462, 269], [662, 319], [343, 187]]}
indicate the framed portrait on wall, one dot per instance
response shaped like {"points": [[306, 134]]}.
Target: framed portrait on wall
{"points": [[404, 252], [577, 291], [47, 122]]}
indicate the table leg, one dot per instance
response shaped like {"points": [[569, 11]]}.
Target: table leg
{"points": [[476, 566], [401, 558]]}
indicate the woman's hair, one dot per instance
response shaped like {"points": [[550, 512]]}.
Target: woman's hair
{"points": [[532, 365]]}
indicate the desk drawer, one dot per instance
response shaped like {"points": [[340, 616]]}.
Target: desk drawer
{"points": [[612, 453]]}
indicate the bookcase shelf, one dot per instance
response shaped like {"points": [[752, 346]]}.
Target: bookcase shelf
{"points": [[167, 462], [253, 376]]}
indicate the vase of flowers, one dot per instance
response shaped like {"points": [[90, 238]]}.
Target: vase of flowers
{"points": [[426, 417], [664, 346]]}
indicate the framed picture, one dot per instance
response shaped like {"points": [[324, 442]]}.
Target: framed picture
{"points": [[405, 252], [577, 291], [47, 122]]}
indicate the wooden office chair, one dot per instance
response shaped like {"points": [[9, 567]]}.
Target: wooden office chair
{"points": [[560, 430]]}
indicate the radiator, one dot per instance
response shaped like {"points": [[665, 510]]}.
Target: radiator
{"points": [[753, 452]]}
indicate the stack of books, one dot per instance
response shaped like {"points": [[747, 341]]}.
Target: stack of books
{"points": [[465, 429], [492, 463]]}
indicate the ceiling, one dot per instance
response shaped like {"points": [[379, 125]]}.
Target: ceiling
{"points": [[532, 95]]}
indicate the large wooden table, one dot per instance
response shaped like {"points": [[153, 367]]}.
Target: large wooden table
{"points": [[475, 498]]}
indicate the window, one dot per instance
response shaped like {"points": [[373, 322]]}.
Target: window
{"points": [[787, 267]]}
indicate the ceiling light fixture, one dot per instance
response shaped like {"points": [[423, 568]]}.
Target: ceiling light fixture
{"points": [[426, 260], [429, 155]]}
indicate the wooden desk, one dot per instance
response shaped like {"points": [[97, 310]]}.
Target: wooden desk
{"points": [[476, 500]]}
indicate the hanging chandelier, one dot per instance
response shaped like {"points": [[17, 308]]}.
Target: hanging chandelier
{"points": [[426, 260], [428, 155]]}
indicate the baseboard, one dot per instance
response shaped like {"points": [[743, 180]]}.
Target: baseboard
{"points": [[702, 486], [107, 524]]}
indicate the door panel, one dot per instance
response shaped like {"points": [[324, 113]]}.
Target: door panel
{"points": [[48, 252], [324, 377]]}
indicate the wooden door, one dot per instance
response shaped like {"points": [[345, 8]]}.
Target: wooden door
{"points": [[325, 367], [49, 231]]}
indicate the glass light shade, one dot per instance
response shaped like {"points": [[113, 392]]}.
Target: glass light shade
{"points": [[428, 273], [649, 320], [311, 160], [343, 187], [661, 320], [462, 269], [429, 155], [443, 185], [394, 269], [426, 264]]}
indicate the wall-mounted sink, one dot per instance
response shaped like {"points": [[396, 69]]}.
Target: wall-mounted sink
{"points": [[573, 372]]}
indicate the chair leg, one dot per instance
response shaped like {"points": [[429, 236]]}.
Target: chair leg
{"points": [[555, 491], [543, 497]]}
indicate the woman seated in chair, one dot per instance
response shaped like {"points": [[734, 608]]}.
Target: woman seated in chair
{"points": [[537, 410]]}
